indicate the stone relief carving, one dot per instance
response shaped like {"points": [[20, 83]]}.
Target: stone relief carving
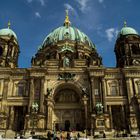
{"points": [[136, 62], [66, 62], [66, 95]]}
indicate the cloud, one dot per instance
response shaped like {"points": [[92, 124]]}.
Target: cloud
{"points": [[29, 1], [42, 2], [111, 33], [37, 14], [101, 1], [83, 5], [70, 8]]}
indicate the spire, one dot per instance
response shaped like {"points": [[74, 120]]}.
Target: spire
{"points": [[67, 21], [125, 24], [9, 24]]}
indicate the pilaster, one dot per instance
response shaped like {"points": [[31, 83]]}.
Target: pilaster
{"points": [[31, 96], [104, 94], [41, 107], [111, 121], [11, 117], [93, 93], [49, 113]]}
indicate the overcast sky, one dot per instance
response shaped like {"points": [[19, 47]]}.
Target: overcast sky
{"points": [[101, 20]]}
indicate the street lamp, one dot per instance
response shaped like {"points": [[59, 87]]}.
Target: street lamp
{"points": [[85, 99], [34, 111]]}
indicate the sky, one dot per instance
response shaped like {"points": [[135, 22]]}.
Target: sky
{"points": [[101, 20]]}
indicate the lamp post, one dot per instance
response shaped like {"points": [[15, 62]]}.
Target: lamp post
{"points": [[34, 111], [85, 99]]}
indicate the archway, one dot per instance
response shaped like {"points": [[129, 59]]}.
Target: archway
{"points": [[68, 109]]}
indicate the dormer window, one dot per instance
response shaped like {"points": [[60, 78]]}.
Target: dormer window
{"points": [[135, 49]]}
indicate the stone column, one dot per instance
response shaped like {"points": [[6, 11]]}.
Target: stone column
{"points": [[2, 87], [129, 88], [49, 113], [104, 94], [123, 115], [11, 117], [93, 93], [111, 121], [5, 89], [11, 87], [92, 126], [31, 96], [129, 91], [1, 90], [41, 107]]}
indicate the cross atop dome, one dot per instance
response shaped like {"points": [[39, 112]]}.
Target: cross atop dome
{"points": [[125, 24], [9, 24], [67, 21]]}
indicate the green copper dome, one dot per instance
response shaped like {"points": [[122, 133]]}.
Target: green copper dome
{"points": [[7, 32], [127, 31], [67, 32]]}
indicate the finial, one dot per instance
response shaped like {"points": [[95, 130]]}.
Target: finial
{"points": [[9, 24], [67, 21], [125, 24]]}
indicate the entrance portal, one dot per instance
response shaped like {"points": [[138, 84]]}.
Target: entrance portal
{"points": [[19, 113], [117, 116], [67, 125], [68, 111]]}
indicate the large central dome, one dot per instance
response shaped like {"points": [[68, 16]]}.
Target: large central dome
{"points": [[67, 32], [66, 44]]}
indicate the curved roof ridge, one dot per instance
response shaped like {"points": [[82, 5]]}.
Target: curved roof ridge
{"points": [[73, 34], [7, 32]]}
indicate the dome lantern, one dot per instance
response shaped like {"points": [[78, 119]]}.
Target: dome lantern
{"points": [[125, 24], [67, 44], [9, 24], [67, 21], [127, 31], [8, 32]]}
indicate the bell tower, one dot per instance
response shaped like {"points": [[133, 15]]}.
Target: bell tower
{"points": [[127, 47], [9, 48]]}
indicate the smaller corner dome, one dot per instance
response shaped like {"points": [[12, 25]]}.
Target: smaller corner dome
{"points": [[8, 32], [127, 31]]}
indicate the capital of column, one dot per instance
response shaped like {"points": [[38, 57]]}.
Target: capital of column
{"points": [[92, 80]]}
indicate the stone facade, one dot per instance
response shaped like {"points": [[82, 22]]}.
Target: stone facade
{"points": [[72, 88]]}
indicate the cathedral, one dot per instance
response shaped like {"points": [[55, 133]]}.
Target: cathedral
{"points": [[67, 87]]}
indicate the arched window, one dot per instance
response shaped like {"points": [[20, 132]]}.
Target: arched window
{"points": [[1, 50], [113, 88], [135, 49], [37, 88], [21, 89]]}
